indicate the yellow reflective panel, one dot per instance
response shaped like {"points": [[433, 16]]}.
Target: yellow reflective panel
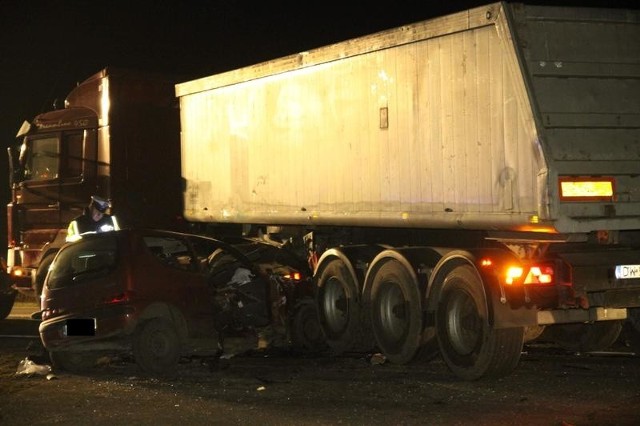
{"points": [[586, 189]]}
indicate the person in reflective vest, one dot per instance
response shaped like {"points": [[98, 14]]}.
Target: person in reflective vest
{"points": [[94, 219]]}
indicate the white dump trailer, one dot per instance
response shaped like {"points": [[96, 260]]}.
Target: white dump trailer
{"points": [[457, 183]]}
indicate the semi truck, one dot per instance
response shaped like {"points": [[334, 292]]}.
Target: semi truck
{"points": [[117, 136], [457, 184]]}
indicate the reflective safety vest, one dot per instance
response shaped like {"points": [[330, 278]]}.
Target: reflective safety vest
{"points": [[86, 225]]}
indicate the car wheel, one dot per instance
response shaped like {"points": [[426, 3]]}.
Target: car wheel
{"points": [[73, 362], [156, 347], [306, 333]]}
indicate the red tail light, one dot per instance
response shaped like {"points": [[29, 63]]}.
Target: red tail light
{"points": [[119, 298]]}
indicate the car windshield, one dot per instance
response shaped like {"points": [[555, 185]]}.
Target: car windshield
{"points": [[82, 259]]}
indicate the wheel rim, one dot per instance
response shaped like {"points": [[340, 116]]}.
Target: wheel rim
{"points": [[393, 316], [335, 305], [464, 325], [159, 345], [309, 333]]}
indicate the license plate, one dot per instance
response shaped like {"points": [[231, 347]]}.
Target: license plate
{"points": [[80, 327], [626, 272]]}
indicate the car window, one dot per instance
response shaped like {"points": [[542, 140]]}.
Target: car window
{"points": [[83, 259], [203, 248], [171, 251]]}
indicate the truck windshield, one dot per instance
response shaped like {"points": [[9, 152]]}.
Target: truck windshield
{"points": [[52, 156], [40, 158]]}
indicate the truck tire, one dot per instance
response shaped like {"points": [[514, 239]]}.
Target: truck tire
{"points": [[306, 334], [633, 330], [591, 337], [396, 312], [6, 303], [156, 347], [339, 310], [469, 345]]}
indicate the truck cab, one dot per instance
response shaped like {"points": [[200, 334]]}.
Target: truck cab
{"points": [[117, 137]]}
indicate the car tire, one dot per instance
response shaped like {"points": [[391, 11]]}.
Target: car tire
{"points": [[306, 333], [156, 347]]}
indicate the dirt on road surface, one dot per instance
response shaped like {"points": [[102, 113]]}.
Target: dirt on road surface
{"points": [[549, 387]]}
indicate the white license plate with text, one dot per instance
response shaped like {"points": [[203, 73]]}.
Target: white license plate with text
{"points": [[625, 272]]}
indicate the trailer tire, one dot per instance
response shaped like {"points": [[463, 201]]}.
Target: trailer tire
{"points": [[156, 346], [469, 345], [633, 315], [339, 309], [632, 330], [591, 337], [396, 312], [532, 332]]}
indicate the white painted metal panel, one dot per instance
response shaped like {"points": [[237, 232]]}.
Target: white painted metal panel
{"points": [[426, 133], [432, 124]]}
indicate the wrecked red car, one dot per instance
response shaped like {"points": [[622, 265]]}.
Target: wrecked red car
{"points": [[159, 295]]}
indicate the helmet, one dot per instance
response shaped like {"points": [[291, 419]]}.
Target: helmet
{"points": [[100, 203]]}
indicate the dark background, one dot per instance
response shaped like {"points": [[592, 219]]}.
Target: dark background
{"points": [[48, 46]]}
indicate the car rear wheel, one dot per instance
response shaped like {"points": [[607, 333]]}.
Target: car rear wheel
{"points": [[156, 347]]}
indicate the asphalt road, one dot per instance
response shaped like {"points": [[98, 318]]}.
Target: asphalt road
{"points": [[19, 322], [549, 387]]}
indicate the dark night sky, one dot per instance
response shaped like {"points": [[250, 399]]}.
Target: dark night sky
{"points": [[46, 46]]}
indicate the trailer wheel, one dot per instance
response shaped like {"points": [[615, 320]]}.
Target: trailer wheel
{"points": [[396, 312], [156, 346], [470, 347], [339, 310], [596, 336], [532, 332], [632, 331]]}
